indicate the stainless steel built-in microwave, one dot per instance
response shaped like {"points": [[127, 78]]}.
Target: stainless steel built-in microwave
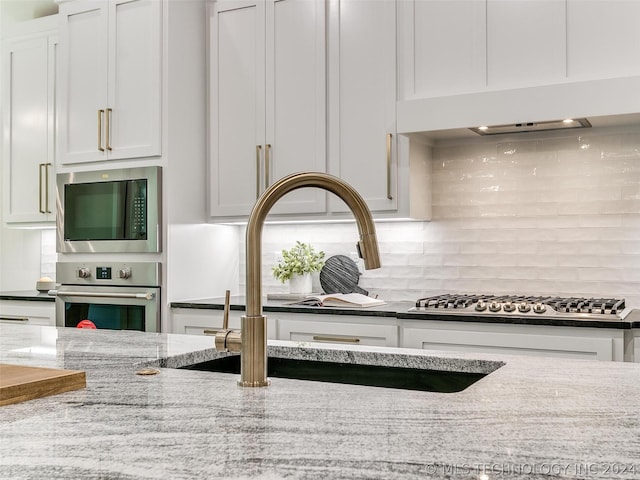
{"points": [[109, 210]]}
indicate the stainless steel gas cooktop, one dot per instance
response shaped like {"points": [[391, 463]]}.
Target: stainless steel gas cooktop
{"points": [[522, 306]]}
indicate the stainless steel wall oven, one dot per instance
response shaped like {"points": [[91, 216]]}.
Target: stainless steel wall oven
{"points": [[119, 296]]}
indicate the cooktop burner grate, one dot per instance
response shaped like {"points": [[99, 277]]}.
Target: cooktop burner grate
{"points": [[523, 304]]}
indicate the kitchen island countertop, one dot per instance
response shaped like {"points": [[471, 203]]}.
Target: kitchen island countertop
{"points": [[531, 418]]}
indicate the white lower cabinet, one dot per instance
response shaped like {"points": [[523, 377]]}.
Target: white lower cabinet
{"points": [[634, 347], [197, 321], [342, 329], [536, 340], [24, 312]]}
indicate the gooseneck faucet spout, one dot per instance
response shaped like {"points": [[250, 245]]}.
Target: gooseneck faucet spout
{"points": [[252, 341]]}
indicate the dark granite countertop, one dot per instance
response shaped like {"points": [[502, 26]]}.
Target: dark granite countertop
{"points": [[532, 418], [29, 295], [401, 310], [238, 303]]}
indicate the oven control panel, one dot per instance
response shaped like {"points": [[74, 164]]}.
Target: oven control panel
{"points": [[109, 273]]}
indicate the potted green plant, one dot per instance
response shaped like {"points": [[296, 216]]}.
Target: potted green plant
{"points": [[297, 265]]}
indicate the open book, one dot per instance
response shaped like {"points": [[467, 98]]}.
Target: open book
{"points": [[340, 300]]}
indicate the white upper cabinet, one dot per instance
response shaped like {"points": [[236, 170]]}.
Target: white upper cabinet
{"points": [[443, 50], [267, 102], [603, 39], [467, 63], [526, 42], [365, 150], [362, 91], [28, 119], [110, 77]]}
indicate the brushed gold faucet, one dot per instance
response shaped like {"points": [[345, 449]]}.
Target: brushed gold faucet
{"points": [[251, 340]]}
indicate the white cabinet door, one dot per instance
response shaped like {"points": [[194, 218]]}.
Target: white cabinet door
{"points": [[134, 94], [267, 102], [295, 137], [83, 81], [362, 68], [526, 42], [110, 101], [19, 312], [603, 39], [236, 110], [535, 340], [29, 128], [445, 48]]}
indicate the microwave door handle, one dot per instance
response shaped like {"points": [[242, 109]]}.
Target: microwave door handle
{"points": [[143, 296]]}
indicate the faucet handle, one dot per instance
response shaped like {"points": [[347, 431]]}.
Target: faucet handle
{"points": [[227, 340], [225, 315]]}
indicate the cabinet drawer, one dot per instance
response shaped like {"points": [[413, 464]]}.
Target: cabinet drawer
{"points": [[18, 312], [207, 322], [338, 332], [535, 340]]}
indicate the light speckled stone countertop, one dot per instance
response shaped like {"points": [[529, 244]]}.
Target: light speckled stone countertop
{"points": [[531, 418]]}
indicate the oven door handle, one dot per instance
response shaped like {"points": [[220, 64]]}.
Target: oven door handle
{"points": [[144, 296]]}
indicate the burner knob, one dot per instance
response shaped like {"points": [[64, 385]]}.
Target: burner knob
{"points": [[539, 308], [84, 272], [524, 307], [509, 307], [495, 307], [481, 306], [124, 273]]}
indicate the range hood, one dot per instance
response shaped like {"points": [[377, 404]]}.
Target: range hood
{"points": [[565, 124], [600, 103]]}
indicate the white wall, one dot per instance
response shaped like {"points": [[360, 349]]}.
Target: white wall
{"points": [[544, 214]]}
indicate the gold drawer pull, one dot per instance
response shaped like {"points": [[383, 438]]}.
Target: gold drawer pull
{"points": [[210, 332], [331, 338]]}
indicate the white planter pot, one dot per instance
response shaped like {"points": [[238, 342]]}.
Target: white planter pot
{"points": [[300, 284]]}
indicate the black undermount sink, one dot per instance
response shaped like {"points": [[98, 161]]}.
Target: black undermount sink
{"points": [[354, 374]]}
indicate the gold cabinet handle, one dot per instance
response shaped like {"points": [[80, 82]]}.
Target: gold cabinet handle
{"points": [[100, 114], [210, 332], [46, 187], [108, 132], [267, 150], [258, 149], [389, 137], [40, 209], [331, 338]]}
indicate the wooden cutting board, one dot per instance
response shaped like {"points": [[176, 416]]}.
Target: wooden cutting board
{"points": [[19, 383]]}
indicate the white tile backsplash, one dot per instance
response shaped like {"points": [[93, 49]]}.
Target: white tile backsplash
{"points": [[557, 215], [48, 256]]}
